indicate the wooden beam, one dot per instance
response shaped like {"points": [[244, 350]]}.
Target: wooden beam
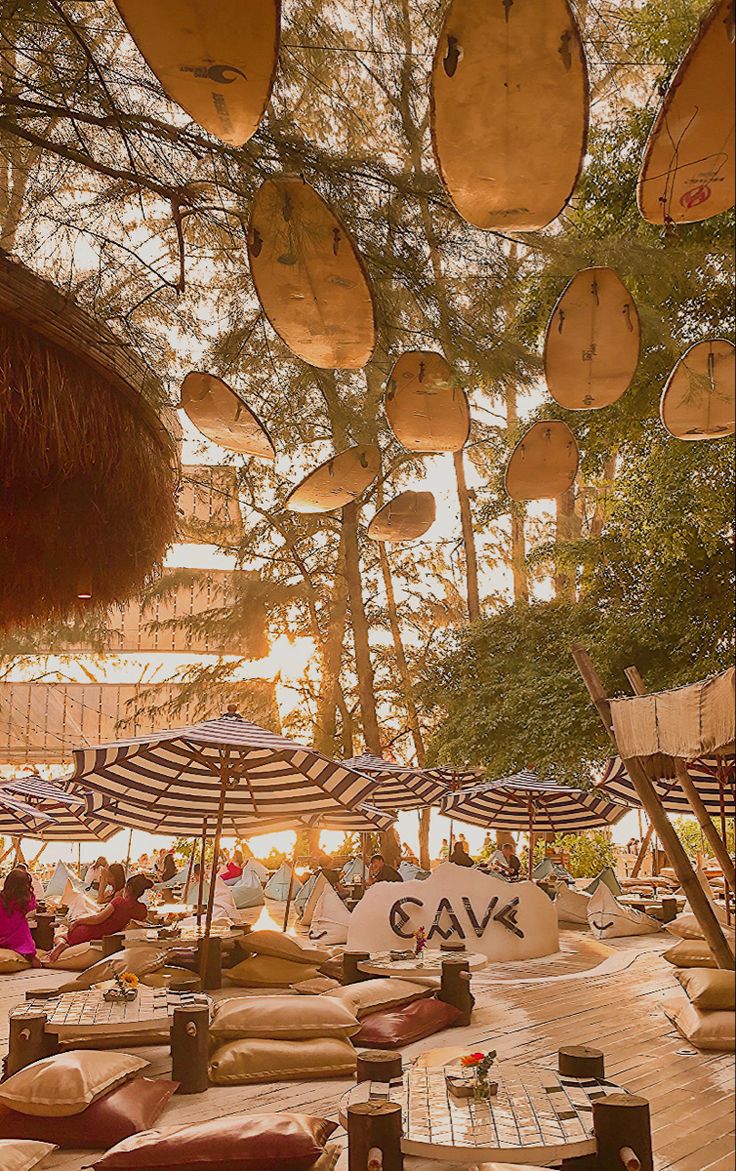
{"points": [[663, 827], [646, 842]]}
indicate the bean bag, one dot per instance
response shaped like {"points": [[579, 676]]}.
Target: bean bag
{"points": [[78, 903], [253, 866], [409, 871], [403, 1026], [353, 871], [277, 887], [331, 919], [609, 919], [177, 879], [311, 902], [608, 877], [247, 891], [57, 883], [572, 905], [305, 890]]}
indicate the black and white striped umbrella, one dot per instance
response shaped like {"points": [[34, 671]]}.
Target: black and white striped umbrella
{"points": [[714, 778], [526, 802], [18, 818], [169, 782], [35, 788], [400, 786]]}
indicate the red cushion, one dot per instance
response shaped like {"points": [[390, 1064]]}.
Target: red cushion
{"points": [[125, 1111], [391, 1030], [241, 1142]]}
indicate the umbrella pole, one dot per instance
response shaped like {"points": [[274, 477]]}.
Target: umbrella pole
{"points": [[224, 778], [130, 848], [190, 868], [452, 830], [291, 886], [202, 852], [531, 841], [364, 855]]}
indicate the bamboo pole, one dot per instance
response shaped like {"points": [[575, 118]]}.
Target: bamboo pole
{"points": [[224, 780], [202, 852], [36, 856], [190, 870], [130, 850], [730, 886], [663, 827], [695, 801], [531, 840], [291, 885], [645, 844]]}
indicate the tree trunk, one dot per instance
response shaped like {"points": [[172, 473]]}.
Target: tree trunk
{"points": [[325, 723], [567, 529], [466, 521], [518, 517], [363, 665]]}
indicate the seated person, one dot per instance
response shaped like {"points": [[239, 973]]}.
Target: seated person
{"points": [[233, 868], [378, 871], [111, 919], [17, 900], [112, 883], [94, 874], [167, 868], [505, 862], [460, 855]]}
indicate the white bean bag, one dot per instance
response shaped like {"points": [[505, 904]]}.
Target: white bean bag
{"points": [[572, 906], [253, 866], [79, 903], [277, 887], [57, 883], [331, 919], [310, 906], [353, 871], [608, 919], [247, 891]]}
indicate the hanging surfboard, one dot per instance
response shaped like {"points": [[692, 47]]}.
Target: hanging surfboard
{"points": [[405, 518], [338, 481], [223, 417], [509, 110], [687, 171], [215, 58], [591, 348], [698, 399], [310, 281], [543, 464], [425, 408]]}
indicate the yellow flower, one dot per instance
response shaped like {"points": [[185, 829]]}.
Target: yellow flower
{"points": [[130, 979]]}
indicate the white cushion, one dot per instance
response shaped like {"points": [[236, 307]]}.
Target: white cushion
{"points": [[608, 919], [331, 919], [572, 905], [318, 889]]}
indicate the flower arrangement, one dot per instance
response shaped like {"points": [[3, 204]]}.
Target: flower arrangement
{"points": [[481, 1064], [126, 987], [420, 942]]}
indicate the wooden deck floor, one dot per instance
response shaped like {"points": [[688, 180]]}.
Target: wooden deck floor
{"points": [[620, 1011]]}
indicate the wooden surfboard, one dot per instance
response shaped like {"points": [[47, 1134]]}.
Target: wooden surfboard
{"points": [[509, 110], [338, 481], [687, 171], [425, 408], [698, 401], [544, 462], [593, 339], [215, 58], [405, 518], [310, 280], [221, 415]]}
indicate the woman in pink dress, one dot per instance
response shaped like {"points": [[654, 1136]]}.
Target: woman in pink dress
{"points": [[17, 900]]}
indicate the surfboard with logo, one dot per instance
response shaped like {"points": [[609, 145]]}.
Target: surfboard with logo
{"points": [[425, 408], [687, 170], [214, 58], [405, 518], [699, 398], [593, 339], [309, 278], [509, 110], [223, 417], [544, 462], [336, 482]]}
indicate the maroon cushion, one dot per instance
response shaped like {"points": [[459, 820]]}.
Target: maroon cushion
{"points": [[123, 1112], [401, 1026], [241, 1142]]}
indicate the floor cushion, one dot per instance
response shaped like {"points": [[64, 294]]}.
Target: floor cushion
{"points": [[572, 905], [21, 1155], [370, 996], [239, 1142], [709, 989], [402, 1026], [330, 920], [290, 1018], [315, 987], [56, 885], [607, 877], [123, 1111], [269, 972], [78, 903], [276, 943], [310, 904], [277, 887], [77, 958], [609, 919], [239, 1063], [247, 892], [690, 953], [67, 1083], [11, 961], [685, 926], [141, 960], [705, 1030], [166, 976], [329, 1160]]}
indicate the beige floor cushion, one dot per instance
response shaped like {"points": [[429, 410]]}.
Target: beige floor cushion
{"points": [[690, 953], [141, 960], [77, 958], [610, 919], [289, 1018], [67, 1083], [269, 972], [378, 995], [275, 943], [328, 1161], [330, 920], [685, 926], [709, 989], [166, 976], [18, 1154], [705, 1030], [239, 1063], [11, 961], [572, 905]]}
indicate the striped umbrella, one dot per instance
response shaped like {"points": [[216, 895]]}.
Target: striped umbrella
{"points": [[401, 786], [714, 778], [526, 802], [19, 819], [76, 814]]}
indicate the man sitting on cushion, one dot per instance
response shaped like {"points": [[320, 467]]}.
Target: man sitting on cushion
{"points": [[505, 862], [110, 920], [378, 871]]}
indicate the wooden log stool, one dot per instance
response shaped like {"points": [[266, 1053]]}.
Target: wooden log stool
{"points": [[581, 1061], [43, 932], [623, 1131], [111, 944], [28, 1042], [212, 975], [190, 1048], [379, 1065], [350, 971], [374, 1136], [455, 988]]}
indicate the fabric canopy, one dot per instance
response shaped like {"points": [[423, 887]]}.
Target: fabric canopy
{"points": [[687, 722], [400, 786], [68, 816], [168, 782], [714, 778], [526, 802], [18, 819]]}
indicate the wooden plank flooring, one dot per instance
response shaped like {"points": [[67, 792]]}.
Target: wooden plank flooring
{"points": [[691, 1093]]}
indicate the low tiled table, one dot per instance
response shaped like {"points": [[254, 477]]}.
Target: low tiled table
{"points": [[428, 964]]}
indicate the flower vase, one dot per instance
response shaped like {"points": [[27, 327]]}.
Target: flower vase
{"points": [[483, 1087]]}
